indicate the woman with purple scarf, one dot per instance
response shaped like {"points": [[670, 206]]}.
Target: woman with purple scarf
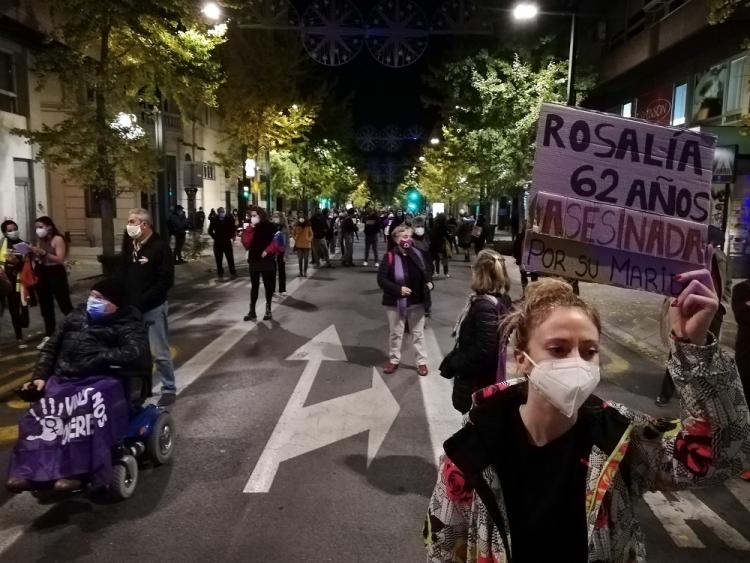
{"points": [[406, 281]]}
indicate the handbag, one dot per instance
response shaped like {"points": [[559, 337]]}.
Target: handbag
{"points": [[476, 232], [445, 368], [28, 275]]}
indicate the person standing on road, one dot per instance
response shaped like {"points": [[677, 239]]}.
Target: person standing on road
{"points": [[464, 235], [177, 224], [349, 229], [200, 220], [49, 255], [258, 239], [11, 263], [303, 238], [147, 274], [223, 231], [540, 458], [406, 282], [479, 234], [372, 231], [282, 230], [319, 224], [441, 246], [478, 359]]}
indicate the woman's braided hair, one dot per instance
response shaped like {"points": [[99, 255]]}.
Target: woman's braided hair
{"points": [[542, 297]]}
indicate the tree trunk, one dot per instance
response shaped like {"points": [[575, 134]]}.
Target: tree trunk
{"points": [[106, 189]]}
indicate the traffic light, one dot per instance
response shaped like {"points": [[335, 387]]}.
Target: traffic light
{"points": [[246, 192], [413, 199]]}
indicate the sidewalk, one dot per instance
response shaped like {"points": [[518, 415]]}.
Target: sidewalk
{"points": [[85, 270]]}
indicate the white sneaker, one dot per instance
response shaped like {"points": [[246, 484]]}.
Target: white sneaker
{"points": [[284, 294], [447, 275], [377, 265], [364, 263], [43, 342]]}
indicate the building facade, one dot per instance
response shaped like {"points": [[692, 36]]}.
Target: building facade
{"points": [[663, 62], [29, 189]]}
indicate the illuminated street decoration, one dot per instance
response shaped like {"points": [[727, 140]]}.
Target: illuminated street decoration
{"points": [[397, 32], [332, 31]]}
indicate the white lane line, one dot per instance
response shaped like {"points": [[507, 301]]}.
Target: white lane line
{"points": [[675, 515], [188, 309], [442, 419], [741, 490], [25, 508]]}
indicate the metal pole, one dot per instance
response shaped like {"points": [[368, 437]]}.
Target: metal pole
{"points": [[572, 61], [269, 207]]}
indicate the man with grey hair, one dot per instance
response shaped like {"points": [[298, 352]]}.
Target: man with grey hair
{"points": [[147, 273]]}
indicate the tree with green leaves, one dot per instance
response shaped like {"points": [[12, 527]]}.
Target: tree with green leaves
{"points": [[115, 58], [489, 122]]}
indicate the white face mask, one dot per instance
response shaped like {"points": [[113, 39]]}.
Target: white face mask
{"points": [[565, 383], [41, 232], [254, 219], [276, 220], [134, 231], [419, 231], [12, 235]]}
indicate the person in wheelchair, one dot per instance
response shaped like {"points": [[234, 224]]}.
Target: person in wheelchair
{"points": [[67, 436]]}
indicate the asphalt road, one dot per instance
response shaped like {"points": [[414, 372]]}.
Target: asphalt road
{"points": [[283, 407]]}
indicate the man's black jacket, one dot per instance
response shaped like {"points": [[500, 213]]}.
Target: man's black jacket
{"points": [[149, 274], [82, 346]]}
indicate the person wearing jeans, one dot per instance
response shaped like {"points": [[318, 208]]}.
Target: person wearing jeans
{"points": [[147, 273], [406, 281]]}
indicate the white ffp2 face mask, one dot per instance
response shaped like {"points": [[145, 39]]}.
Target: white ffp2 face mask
{"points": [[565, 383], [134, 231]]}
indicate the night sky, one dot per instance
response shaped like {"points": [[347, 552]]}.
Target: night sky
{"points": [[376, 96]]}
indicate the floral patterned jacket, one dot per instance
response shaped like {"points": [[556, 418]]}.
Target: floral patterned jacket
{"points": [[634, 453]]}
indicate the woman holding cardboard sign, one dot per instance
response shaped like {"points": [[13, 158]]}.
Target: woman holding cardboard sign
{"points": [[540, 454]]}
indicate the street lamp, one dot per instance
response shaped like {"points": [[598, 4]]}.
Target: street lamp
{"points": [[434, 141], [212, 11], [525, 11]]}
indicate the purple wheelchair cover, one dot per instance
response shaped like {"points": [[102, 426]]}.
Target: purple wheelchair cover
{"points": [[71, 431]]}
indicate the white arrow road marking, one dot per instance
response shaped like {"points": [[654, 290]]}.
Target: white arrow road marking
{"points": [[675, 514], [443, 420], [301, 429]]}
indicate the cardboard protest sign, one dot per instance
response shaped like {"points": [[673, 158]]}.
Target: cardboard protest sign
{"points": [[618, 201]]}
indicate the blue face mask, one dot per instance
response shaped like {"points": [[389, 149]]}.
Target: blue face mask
{"points": [[96, 308]]}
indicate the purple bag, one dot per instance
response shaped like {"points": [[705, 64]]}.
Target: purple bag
{"points": [[71, 431]]}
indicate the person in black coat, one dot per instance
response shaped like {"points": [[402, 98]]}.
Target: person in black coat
{"points": [[102, 337], [257, 239], [147, 273], [441, 245], [478, 361], [223, 231], [406, 281], [177, 223]]}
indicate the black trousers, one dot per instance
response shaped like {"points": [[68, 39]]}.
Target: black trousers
{"points": [[19, 315], [179, 242], [371, 241], [52, 286], [269, 284], [221, 249], [281, 268]]}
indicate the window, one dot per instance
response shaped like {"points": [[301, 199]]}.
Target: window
{"points": [[736, 81], [7, 83], [679, 104], [209, 171], [627, 109]]}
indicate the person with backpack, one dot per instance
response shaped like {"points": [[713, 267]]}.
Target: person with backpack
{"points": [[406, 281], [478, 359]]}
